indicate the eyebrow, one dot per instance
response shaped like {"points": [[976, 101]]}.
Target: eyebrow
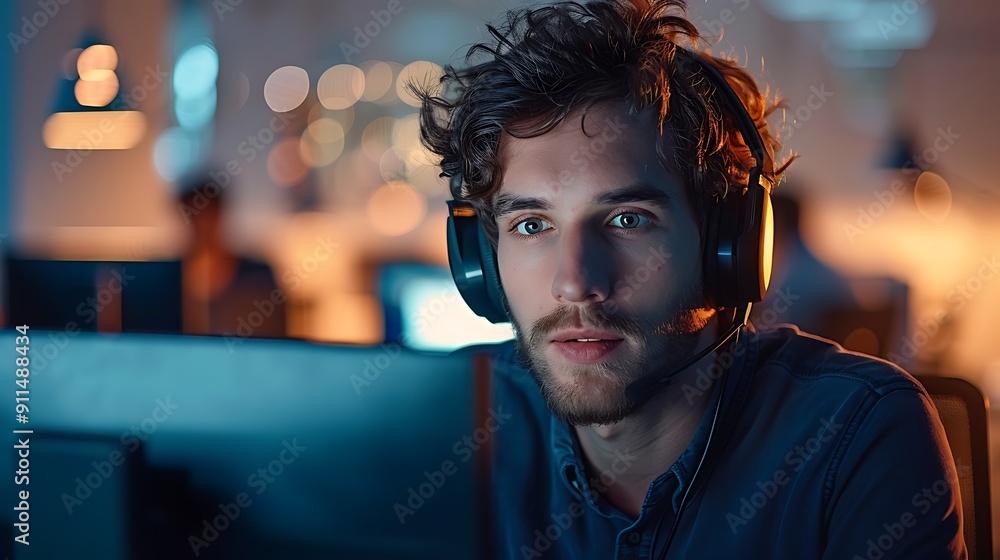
{"points": [[638, 192]]}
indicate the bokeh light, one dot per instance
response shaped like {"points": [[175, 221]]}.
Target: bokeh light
{"points": [[377, 137], [322, 142], [421, 73], [378, 80], [343, 116], [88, 130], [175, 152], [286, 88], [96, 57], [284, 164], [98, 89], [196, 72], [194, 113], [406, 132], [242, 90], [391, 166], [933, 196], [406, 140], [341, 86]]}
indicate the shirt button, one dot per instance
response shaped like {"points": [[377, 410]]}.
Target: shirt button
{"points": [[634, 538]]}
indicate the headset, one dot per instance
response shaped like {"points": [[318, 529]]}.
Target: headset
{"points": [[738, 244]]}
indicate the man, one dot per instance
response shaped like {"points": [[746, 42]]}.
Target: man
{"points": [[592, 144]]}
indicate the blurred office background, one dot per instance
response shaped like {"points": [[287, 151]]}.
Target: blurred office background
{"points": [[252, 169]]}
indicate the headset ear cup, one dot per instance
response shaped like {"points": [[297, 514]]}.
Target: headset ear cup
{"points": [[710, 256], [756, 236], [728, 288], [491, 277], [739, 246], [473, 263]]}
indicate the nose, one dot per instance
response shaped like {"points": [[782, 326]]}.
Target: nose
{"points": [[583, 268]]}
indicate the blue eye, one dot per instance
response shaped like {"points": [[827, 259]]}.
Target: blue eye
{"points": [[634, 220], [532, 228]]}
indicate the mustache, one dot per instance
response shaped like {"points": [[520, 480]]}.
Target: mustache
{"points": [[566, 317]]}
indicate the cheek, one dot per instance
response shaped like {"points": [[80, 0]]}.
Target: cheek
{"points": [[654, 276], [526, 284]]}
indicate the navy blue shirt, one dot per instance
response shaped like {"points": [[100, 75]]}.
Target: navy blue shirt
{"points": [[818, 453]]}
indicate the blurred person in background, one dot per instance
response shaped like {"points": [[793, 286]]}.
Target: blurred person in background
{"points": [[865, 314], [224, 293]]}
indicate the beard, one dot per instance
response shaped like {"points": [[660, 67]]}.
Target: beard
{"points": [[594, 394]]}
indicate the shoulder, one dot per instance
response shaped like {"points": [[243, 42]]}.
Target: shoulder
{"points": [[786, 354], [872, 407], [802, 384]]}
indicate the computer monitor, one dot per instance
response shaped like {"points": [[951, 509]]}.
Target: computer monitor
{"points": [[141, 296], [423, 310], [276, 448], [79, 487]]}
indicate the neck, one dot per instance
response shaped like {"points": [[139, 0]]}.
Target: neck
{"points": [[641, 447]]}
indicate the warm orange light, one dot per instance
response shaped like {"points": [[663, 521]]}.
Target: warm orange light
{"points": [[862, 340], [94, 130], [767, 249], [932, 196], [347, 318], [105, 243], [95, 58], [396, 209], [98, 89]]}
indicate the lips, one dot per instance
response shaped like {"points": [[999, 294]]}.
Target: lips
{"points": [[585, 345], [588, 335], [587, 352]]}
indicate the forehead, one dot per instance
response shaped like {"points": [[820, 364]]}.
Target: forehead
{"points": [[603, 155]]}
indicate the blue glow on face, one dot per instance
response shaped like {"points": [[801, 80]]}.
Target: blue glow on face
{"points": [[195, 72]]}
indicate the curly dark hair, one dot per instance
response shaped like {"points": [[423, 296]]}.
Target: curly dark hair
{"points": [[546, 63]]}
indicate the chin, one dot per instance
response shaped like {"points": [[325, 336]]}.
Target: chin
{"points": [[584, 397], [604, 413]]}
